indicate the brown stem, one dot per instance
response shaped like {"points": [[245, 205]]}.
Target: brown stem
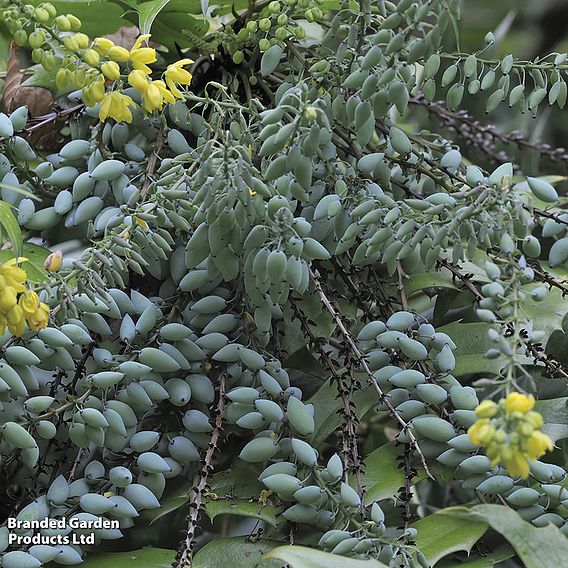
{"points": [[400, 287], [349, 443], [185, 552], [456, 272], [358, 356], [484, 136]]}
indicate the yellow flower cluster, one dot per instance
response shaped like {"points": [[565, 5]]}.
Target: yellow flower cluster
{"points": [[18, 304], [511, 432], [154, 92], [93, 66]]}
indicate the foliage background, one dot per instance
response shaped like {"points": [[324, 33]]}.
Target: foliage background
{"points": [[526, 29]]}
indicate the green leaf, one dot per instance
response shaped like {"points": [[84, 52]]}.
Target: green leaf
{"points": [[236, 485], [441, 534], [147, 13], [429, 281], [143, 558], [541, 547], [472, 343], [557, 346], [176, 21], [235, 552], [40, 77], [555, 415], [33, 266], [240, 508], [327, 404], [382, 477], [546, 315], [11, 228], [240, 481], [173, 499], [489, 561], [303, 557], [98, 17], [310, 304]]}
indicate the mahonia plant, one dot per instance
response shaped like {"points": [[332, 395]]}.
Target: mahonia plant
{"points": [[291, 300]]}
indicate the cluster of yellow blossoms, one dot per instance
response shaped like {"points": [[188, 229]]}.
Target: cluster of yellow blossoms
{"points": [[101, 69], [18, 304], [511, 432], [154, 92]]}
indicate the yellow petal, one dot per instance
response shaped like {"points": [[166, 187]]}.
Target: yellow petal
{"points": [[518, 402], [173, 88], [105, 107], [143, 55], [487, 409], [141, 38], [138, 80]]}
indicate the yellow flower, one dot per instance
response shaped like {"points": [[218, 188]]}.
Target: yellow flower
{"points": [[16, 321], [175, 73], [166, 95], [118, 53], [74, 21], [481, 432], [535, 419], [155, 95], [518, 402], [538, 444], [140, 222], [87, 97], [62, 78], [54, 261], [138, 80], [78, 78], [38, 320], [13, 275], [140, 57], [111, 70], [91, 57], [95, 92], [116, 105], [510, 433], [152, 98], [516, 463], [101, 45], [311, 113], [71, 43], [29, 302], [525, 428], [8, 298], [487, 409], [82, 40]]}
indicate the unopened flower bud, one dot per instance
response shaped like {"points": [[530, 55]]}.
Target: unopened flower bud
{"points": [[91, 57], [53, 261], [102, 44], [82, 40], [111, 70], [311, 113], [487, 409], [74, 22], [118, 54], [63, 23]]}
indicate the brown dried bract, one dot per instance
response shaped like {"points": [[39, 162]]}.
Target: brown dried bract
{"points": [[125, 36], [38, 100]]}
